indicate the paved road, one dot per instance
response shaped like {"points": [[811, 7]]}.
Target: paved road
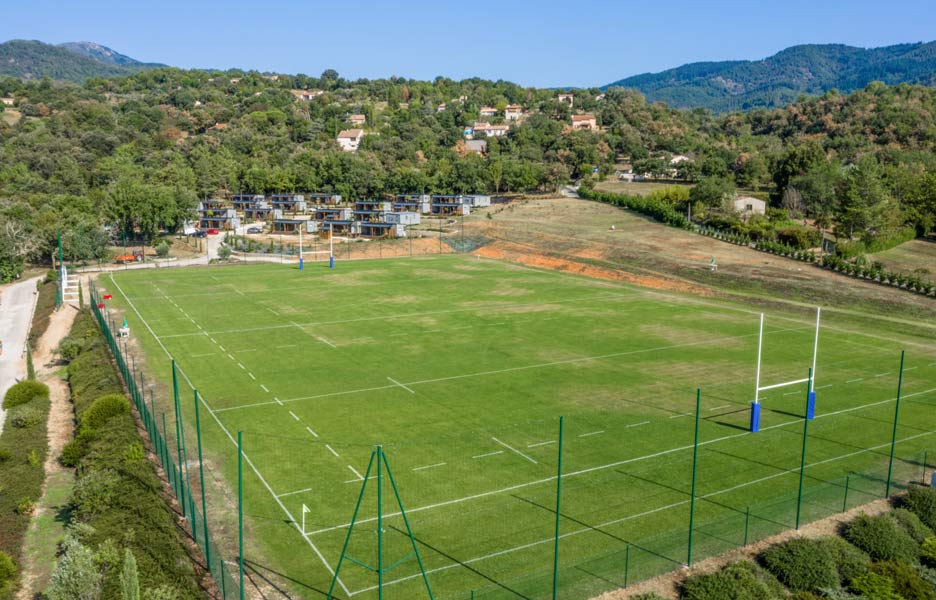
{"points": [[569, 191], [16, 306]]}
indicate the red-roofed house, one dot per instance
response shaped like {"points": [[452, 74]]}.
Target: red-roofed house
{"points": [[350, 139], [584, 122]]}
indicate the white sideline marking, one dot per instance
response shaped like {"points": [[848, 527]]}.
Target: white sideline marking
{"points": [[278, 401], [332, 450], [882, 374], [720, 407], [637, 424], [591, 433], [822, 387], [241, 366], [512, 449], [631, 517], [222, 348], [426, 467], [296, 492], [909, 369], [360, 480], [231, 356], [359, 476], [536, 445], [680, 415], [325, 341], [252, 376], [293, 415], [233, 441], [792, 393], [264, 388], [855, 380], [213, 341], [401, 385], [624, 461], [488, 454], [309, 429]]}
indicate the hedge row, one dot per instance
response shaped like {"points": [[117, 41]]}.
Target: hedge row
{"points": [[23, 449], [659, 210], [117, 498]]}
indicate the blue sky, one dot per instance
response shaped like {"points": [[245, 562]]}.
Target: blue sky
{"points": [[581, 43]]}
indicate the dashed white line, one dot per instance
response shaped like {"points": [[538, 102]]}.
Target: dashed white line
{"points": [[359, 476], [426, 467], [488, 454], [822, 387], [591, 433], [264, 388], [792, 393], [222, 348], [679, 415], [231, 356], [855, 380], [395, 382], [909, 369], [309, 429], [201, 355], [882, 374], [294, 415], [512, 449], [325, 341], [537, 444], [252, 376], [295, 492], [332, 450], [288, 346], [241, 366], [637, 424], [720, 407], [278, 401]]}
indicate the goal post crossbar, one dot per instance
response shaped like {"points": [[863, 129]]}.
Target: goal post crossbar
{"points": [[780, 385]]}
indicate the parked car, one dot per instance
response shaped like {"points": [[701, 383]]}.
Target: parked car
{"points": [[198, 233], [255, 230], [212, 231]]}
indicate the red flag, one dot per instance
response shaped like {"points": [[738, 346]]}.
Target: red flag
{"points": [[108, 296], [100, 305]]}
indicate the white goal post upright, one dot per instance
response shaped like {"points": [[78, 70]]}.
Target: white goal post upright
{"points": [[330, 252], [758, 388]]}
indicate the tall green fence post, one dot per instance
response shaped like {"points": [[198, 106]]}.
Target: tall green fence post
{"points": [[802, 468], [845, 499], [626, 564], [178, 427], [380, 570], [558, 511], [201, 473], [695, 464], [240, 511], [223, 590], [890, 464], [165, 436], [923, 475], [747, 524]]}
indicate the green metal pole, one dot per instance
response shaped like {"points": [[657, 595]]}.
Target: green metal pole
{"points": [[165, 447], [357, 507], [223, 590], [380, 571], [695, 465], [240, 510], [845, 501], [626, 564], [923, 476], [201, 473], [178, 425], [890, 465], [558, 512], [747, 523], [802, 468]]}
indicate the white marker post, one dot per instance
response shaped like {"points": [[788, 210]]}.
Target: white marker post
{"points": [[300, 248]]}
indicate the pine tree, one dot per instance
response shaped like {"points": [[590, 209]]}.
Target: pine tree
{"points": [[30, 369], [129, 581]]}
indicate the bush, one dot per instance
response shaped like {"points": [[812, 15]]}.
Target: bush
{"points": [[71, 454], [882, 538], [921, 501], [802, 564], [76, 575], [739, 581], [875, 587], [103, 409], [24, 392], [7, 570], [5, 455], [68, 349], [912, 525], [162, 249], [224, 252], [27, 417], [928, 551], [850, 562], [25, 506], [905, 580]]}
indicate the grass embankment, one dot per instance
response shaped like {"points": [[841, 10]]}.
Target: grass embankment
{"points": [[23, 447], [45, 306], [117, 504]]}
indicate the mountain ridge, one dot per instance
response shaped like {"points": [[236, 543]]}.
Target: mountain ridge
{"points": [[72, 61]]}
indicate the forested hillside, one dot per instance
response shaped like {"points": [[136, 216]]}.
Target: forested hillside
{"points": [[29, 59], [782, 78], [136, 153]]}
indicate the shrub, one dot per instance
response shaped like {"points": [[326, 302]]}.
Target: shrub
{"points": [[850, 562], [25, 506], [7, 570], [912, 525], [739, 581], [68, 349], [24, 392], [905, 581], [102, 409], [921, 501], [802, 564], [875, 587], [928, 550], [27, 417], [882, 538], [162, 250], [71, 454], [5, 455], [76, 574], [224, 252]]}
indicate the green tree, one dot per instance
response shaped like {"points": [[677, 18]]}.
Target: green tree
{"points": [[712, 192], [129, 581], [75, 576]]}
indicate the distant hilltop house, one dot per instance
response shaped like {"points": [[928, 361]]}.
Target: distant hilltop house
{"points": [[7, 101], [748, 205], [305, 95], [568, 98], [679, 158], [513, 112], [441, 107], [488, 111], [584, 122], [357, 120], [488, 130], [350, 139], [236, 80]]}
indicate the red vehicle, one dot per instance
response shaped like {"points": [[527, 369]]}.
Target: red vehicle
{"points": [[212, 231]]}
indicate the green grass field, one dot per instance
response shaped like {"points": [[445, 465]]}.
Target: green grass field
{"points": [[461, 368]]}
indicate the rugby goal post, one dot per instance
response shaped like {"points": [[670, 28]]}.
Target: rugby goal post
{"points": [[330, 252], [809, 381]]}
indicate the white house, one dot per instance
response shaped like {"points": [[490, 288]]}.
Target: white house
{"points": [[488, 111], [567, 98], [748, 205], [679, 158], [7, 101], [357, 120], [305, 95], [350, 139], [584, 122], [513, 112], [488, 130]]}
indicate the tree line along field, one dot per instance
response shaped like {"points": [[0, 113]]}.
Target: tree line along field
{"points": [[460, 369]]}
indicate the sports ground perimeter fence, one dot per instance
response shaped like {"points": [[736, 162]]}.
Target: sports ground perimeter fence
{"points": [[633, 560]]}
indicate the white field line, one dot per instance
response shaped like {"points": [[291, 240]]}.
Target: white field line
{"points": [[637, 424], [201, 355], [295, 492], [359, 476], [309, 429], [636, 516], [325, 341], [720, 407], [514, 450], [222, 348], [241, 366], [423, 468], [679, 415], [538, 444], [332, 450], [591, 433], [488, 454], [233, 441], [882, 374], [621, 462], [264, 388], [293, 415], [231, 356], [822, 387], [278, 401], [855, 380], [509, 370], [252, 376], [288, 346], [395, 382], [909, 369]]}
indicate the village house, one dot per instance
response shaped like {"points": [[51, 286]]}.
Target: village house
{"points": [[567, 98], [488, 130], [412, 203], [513, 112], [357, 120], [324, 198], [584, 122], [350, 139], [748, 205], [441, 107], [488, 111], [7, 101], [306, 95], [288, 202]]}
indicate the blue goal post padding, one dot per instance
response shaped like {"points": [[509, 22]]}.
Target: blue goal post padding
{"points": [[331, 262], [301, 263], [811, 406], [755, 417]]}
